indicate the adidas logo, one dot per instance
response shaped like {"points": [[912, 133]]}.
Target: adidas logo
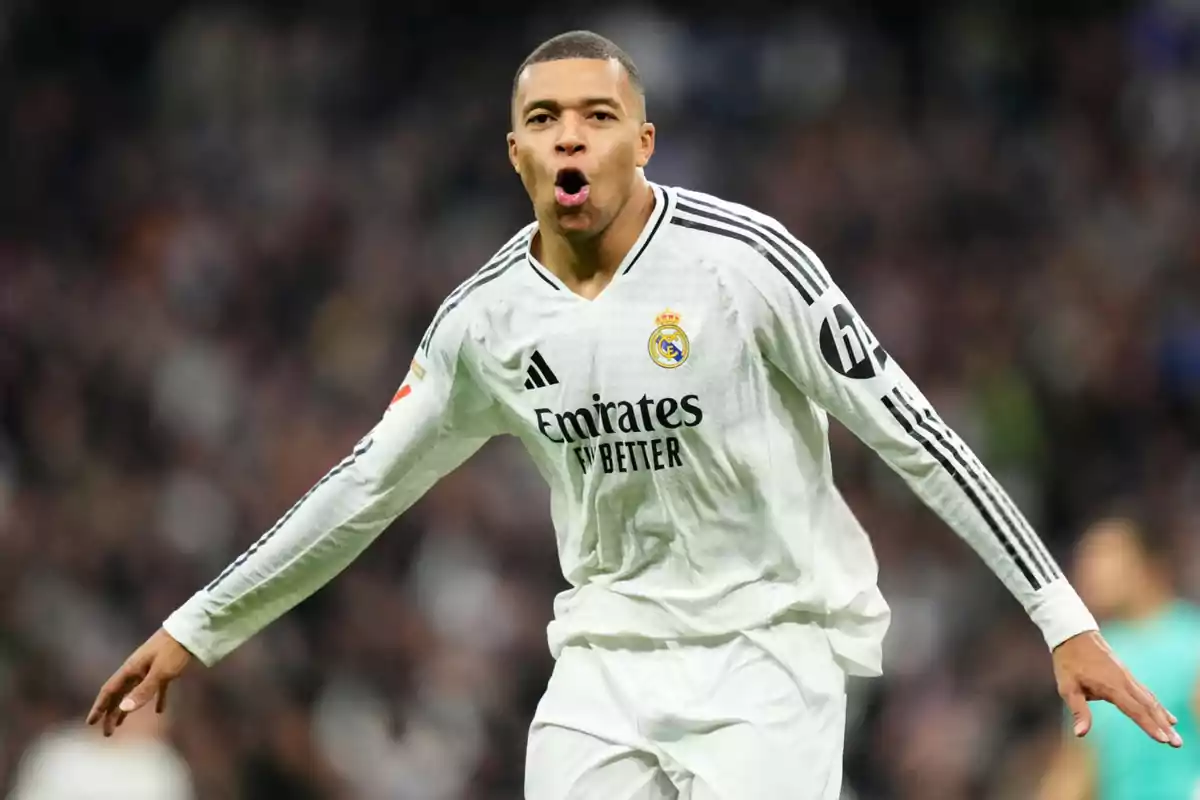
{"points": [[540, 374]]}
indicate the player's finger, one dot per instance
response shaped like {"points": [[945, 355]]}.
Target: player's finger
{"points": [[1134, 708], [161, 705], [107, 696], [1162, 718], [1172, 720], [112, 715], [112, 718], [1082, 715], [103, 700], [141, 694], [111, 693]]}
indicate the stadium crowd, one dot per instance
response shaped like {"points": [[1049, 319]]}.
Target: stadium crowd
{"points": [[222, 234]]}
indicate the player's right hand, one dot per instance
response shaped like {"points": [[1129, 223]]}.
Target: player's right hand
{"points": [[145, 675]]}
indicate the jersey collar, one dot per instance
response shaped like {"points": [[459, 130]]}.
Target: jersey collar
{"points": [[663, 200]]}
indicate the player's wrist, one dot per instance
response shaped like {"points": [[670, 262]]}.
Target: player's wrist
{"points": [[1060, 613], [1089, 634], [191, 627]]}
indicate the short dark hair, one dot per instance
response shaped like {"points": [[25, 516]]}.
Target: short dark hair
{"points": [[580, 44]]}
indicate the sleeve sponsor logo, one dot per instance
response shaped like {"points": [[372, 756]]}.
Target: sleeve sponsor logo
{"points": [[848, 345]]}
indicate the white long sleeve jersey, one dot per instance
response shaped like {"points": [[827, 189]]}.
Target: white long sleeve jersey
{"points": [[680, 420]]}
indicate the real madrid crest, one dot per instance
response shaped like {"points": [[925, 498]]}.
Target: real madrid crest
{"points": [[669, 346]]}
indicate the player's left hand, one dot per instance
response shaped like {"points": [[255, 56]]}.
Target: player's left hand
{"points": [[1087, 669]]}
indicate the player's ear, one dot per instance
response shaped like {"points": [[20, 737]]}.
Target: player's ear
{"points": [[512, 151], [645, 144]]}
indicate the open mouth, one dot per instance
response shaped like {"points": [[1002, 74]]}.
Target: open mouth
{"points": [[571, 187]]}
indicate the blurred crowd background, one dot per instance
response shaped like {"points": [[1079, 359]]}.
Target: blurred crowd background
{"points": [[224, 227]]}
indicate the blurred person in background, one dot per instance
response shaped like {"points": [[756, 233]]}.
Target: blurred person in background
{"points": [[71, 763], [224, 228], [1124, 572], [721, 586]]}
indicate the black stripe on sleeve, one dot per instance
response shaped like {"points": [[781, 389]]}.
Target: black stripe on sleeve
{"points": [[343, 465], [501, 255], [776, 234], [969, 490], [1033, 542], [754, 242], [481, 276], [950, 441], [758, 234], [450, 305]]}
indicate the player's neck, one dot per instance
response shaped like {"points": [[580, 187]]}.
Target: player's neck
{"points": [[587, 266]]}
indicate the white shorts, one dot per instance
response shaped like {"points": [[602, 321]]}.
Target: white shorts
{"points": [[761, 714]]}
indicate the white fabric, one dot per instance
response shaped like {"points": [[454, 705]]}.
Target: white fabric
{"points": [[758, 714], [691, 496]]}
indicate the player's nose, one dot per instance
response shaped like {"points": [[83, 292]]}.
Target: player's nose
{"points": [[570, 141], [570, 145]]}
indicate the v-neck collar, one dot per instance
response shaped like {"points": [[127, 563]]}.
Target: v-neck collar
{"points": [[662, 201]]}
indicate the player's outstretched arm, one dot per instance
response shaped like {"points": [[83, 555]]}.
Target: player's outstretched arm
{"points": [[810, 331], [435, 422]]}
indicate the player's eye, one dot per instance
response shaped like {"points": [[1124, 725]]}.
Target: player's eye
{"points": [[539, 119], [603, 115]]}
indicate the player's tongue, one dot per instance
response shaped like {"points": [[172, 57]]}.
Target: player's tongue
{"points": [[571, 188]]}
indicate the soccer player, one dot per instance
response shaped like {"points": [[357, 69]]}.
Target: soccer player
{"points": [[668, 359], [1123, 573]]}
